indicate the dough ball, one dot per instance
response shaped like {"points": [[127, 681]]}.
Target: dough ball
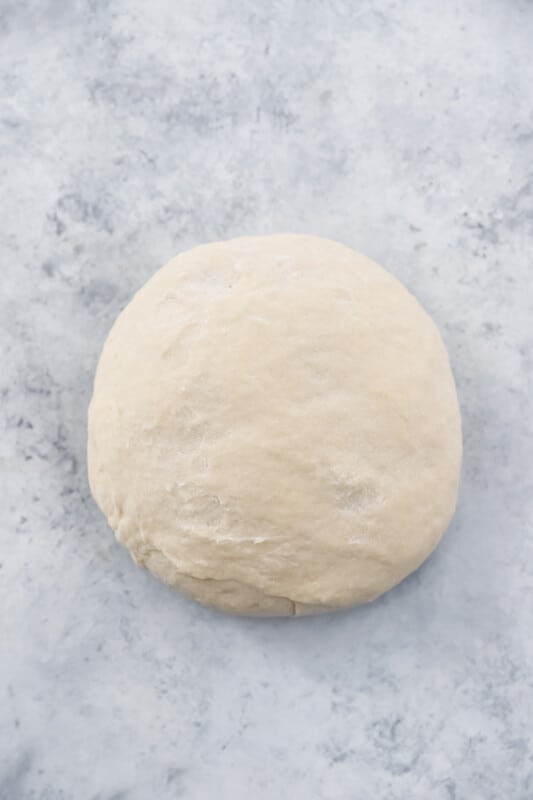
{"points": [[274, 428]]}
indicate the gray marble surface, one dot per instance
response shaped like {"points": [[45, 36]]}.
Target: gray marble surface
{"points": [[131, 130]]}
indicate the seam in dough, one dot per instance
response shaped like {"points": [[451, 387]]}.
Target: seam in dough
{"points": [[297, 608]]}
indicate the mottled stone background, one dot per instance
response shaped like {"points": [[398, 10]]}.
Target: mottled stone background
{"points": [[130, 130]]}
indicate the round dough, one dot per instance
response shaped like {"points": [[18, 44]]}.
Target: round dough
{"points": [[274, 428]]}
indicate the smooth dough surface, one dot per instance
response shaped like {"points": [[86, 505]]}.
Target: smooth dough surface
{"points": [[274, 428]]}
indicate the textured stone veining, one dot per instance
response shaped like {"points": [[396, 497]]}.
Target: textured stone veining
{"points": [[130, 131]]}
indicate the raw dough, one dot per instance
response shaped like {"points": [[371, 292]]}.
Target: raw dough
{"points": [[274, 428]]}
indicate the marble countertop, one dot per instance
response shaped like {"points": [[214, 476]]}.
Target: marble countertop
{"points": [[130, 131]]}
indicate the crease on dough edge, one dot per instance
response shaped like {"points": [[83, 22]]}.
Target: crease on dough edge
{"points": [[142, 557]]}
